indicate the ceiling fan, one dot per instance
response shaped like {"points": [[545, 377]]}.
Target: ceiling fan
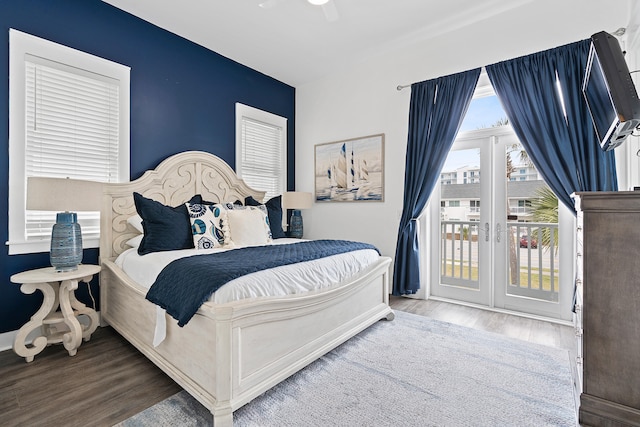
{"points": [[328, 7]]}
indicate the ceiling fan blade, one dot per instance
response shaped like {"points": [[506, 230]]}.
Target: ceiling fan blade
{"points": [[330, 11]]}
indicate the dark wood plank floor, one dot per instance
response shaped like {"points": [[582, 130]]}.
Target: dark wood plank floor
{"points": [[108, 380]]}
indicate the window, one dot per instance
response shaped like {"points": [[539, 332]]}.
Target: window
{"points": [[69, 117], [261, 155], [454, 203]]}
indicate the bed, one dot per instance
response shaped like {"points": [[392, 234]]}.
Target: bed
{"points": [[230, 352]]}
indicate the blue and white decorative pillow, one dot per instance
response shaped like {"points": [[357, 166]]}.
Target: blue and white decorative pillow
{"points": [[209, 225]]}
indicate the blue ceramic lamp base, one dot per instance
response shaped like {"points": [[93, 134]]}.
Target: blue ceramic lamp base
{"points": [[66, 242], [295, 226]]}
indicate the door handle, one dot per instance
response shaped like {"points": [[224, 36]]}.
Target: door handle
{"points": [[498, 231], [486, 231]]}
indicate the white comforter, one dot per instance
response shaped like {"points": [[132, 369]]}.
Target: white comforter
{"points": [[279, 281]]}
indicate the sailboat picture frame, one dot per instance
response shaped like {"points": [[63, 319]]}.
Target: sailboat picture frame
{"points": [[351, 170]]}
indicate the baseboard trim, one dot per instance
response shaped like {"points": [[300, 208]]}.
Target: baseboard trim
{"points": [[599, 412], [6, 340]]}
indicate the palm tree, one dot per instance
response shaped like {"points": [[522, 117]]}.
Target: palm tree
{"points": [[545, 209]]}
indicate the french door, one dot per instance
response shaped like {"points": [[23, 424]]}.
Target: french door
{"points": [[485, 248]]}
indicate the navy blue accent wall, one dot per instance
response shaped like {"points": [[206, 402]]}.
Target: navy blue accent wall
{"points": [[182, 98]]}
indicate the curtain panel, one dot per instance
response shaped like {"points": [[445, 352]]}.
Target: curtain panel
{"points": [[437, 108], [542, 96]]}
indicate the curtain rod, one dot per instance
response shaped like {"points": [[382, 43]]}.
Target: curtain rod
{"points": [[619, 32], [400, 87]]}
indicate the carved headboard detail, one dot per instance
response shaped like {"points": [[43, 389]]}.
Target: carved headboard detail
{"points": [[172, 182]]}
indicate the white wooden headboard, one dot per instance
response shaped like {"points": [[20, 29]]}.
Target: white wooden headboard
{"points": [[173, 182]]}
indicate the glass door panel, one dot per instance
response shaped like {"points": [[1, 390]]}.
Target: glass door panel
{"points": [[494, 245], [462, 235]]}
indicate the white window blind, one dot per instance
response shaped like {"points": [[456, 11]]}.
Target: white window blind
{"points": [[261, 155], [71, 131]]}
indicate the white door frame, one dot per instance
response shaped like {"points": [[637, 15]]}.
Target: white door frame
{"points": [[494, 296]]}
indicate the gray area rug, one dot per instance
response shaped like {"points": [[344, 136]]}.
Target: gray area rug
{"points": [[413, 371]]}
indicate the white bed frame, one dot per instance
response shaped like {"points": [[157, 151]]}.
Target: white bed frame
{"points": [[227, 354]]}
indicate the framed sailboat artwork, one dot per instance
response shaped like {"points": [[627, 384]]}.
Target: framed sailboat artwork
{"points": [[351, 170]]}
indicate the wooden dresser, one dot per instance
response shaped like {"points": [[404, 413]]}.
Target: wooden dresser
{"points": [[608, 307]]}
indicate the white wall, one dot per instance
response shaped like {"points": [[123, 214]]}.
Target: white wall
{"points": [[362, 100], [627, 156]]}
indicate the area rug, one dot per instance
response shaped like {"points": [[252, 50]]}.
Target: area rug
{"points": [[413, 371]]}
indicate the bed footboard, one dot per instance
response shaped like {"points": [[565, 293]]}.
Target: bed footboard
{"points": [[214, 356]]}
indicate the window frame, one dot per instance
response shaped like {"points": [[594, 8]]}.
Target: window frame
{"points": [[268, 118], [23, 44]]}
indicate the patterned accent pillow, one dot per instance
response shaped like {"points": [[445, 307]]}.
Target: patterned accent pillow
{"points": [[264, 230], [274, 211], [209, 225]]}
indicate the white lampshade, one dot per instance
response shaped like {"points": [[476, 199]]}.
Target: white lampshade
{"points": [[63, 194], [297, 200], [68, 195]]}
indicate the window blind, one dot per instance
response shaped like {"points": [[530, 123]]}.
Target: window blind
{"points": [[72, 130], [262, 160]]}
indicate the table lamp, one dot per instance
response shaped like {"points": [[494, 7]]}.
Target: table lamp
{"points": [[70, 196], [296, 200]]}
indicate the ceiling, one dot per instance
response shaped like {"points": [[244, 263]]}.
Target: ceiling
{"points": [[294, 42]]}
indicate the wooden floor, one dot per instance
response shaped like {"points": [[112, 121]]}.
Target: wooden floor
{"points": [[526, 329], [108, 380]]}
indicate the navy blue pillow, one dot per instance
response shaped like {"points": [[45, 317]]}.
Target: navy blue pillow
{"points": [[165, 228], [274, 211]]}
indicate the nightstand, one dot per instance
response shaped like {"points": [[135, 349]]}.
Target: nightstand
{"points": [[58, 289]]}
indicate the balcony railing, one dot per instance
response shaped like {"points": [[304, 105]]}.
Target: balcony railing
{"points": [[532, 267], [520, 210]]}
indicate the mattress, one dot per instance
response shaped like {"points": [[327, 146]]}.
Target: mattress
{"points": [[280, 281]]}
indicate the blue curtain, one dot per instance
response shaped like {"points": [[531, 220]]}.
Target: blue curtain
{"points": [[564, 148], [436, 111]]}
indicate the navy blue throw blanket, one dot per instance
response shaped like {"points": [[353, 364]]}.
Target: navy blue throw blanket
{"points": [[187, 283]]}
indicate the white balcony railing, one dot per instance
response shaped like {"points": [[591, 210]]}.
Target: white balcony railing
{"points": [[532, 254]]}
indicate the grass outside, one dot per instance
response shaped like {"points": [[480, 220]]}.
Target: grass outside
{"points": [[524, 276]]}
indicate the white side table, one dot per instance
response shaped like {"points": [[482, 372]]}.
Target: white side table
{"points": [[55, 326]]}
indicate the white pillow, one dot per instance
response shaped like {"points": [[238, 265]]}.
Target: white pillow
{"points": [[248, 227], [136, 222], [134, 242]]}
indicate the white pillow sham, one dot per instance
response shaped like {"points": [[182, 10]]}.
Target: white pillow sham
{"points": [[248, 227], [136, 222], [134, 242]]}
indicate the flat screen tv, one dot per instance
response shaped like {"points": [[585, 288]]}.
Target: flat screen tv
{"points": [[610, 94]]}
